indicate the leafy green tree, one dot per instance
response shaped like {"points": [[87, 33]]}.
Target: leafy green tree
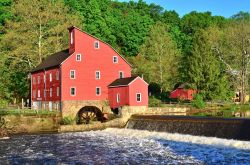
{"points": [[162, 54], [205, 71]]}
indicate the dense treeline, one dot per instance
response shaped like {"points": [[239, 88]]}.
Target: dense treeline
{"points": [[209, 53]]}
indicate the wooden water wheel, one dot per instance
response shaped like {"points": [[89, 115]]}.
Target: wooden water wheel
{"points": [[89, 113]]}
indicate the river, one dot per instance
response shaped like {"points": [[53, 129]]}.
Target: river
{"points": [[122, 146]]}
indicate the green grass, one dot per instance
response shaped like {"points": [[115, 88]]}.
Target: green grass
{"points": [[27, 112]]}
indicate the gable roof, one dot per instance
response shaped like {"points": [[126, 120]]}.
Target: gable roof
{"points": [[72, 27], [53, 60], [124, 81]]}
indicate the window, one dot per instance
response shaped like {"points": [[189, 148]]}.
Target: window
{"points": [[72, 74], [50, 92], [38, 93], [38, 80], [138, 97], [34, 93], [50, 77], [34, 80], [118, 98], [97, 75], [71, 37], [98, 91], [44, 78], [72, 91], [96, 44], [115, 59], [121, 74], [57, 91], [57, 75], [44, 92], [78, 57]]}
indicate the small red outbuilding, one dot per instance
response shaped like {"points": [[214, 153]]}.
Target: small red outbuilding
{"points": [[131, 91], [183, 94]]}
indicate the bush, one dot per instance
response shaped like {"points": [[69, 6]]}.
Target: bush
{"points": [[3, 104], [198, 102], [67, 121], [154, 102]]}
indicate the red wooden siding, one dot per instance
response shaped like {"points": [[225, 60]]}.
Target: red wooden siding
{"points": [[49, 84], [92, 60], [183, 94], [138, 86], [124, 96]]}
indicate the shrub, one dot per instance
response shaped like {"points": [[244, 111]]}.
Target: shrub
{"points": [[198, 102], [67, 121], [3, 104], [154, 102]]}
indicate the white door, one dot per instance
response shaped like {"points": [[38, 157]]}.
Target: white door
{"points": [[50, 105]]}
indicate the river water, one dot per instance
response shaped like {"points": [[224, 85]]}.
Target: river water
{"points": [[122, 146]]}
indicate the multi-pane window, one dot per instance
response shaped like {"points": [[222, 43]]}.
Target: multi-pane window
{"points": [[50, 92], [50, 77], [97, 75], [38, 93], [115, 59], [72, 74], [57, 75], [34, 93], [78, 57], [57, 91], [98, 91], [34, 80], [38, 79], [121, 75], [117, 97], [44, 93], [72, 91], [138, 97], [96, 44]]}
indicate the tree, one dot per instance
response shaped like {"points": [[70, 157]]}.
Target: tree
{"points": [[205, 71], [233, 50], [37, 30], [162, 54]]}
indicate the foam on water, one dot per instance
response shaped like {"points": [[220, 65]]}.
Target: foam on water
{"points": [[218, 142]]}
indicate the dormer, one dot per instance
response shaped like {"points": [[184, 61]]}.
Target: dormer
{"points": [[71, 39]]}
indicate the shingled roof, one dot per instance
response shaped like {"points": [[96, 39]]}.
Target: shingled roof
{"points": [[122, 81], [53, 60]]}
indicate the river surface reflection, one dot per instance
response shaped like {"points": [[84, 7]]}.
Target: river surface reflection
{"points": [[122, 146]]}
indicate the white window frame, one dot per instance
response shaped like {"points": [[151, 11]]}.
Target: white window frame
{"points": [[118, 98], [74, 74], [38, 94], [38, 79], [44, 92], [57, 75], [80, 57], [115, 57], [140, 97], [100, 91], [98, 45], [74, 91], [97, 75], [34, 93], [34, 80], [121, 72], [50, 77], [71, 37], [57, 91], [50, 92]]}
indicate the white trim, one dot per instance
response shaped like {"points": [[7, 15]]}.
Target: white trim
{"points": [[74, 71], [98, 44], [57, 91], [118, 98], [71, 37], [120, 74], [136, 79], [50, 77], [97, 78], [70, 91], [140, 97], [116, 59], [100, 91], [79, 54], [38, 94], [50, 92]]}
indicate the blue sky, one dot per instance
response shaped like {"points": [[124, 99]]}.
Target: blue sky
{"points": [[224, 8]]}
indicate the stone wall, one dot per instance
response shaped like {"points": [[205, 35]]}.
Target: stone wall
{"points": [[71, 108]]}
